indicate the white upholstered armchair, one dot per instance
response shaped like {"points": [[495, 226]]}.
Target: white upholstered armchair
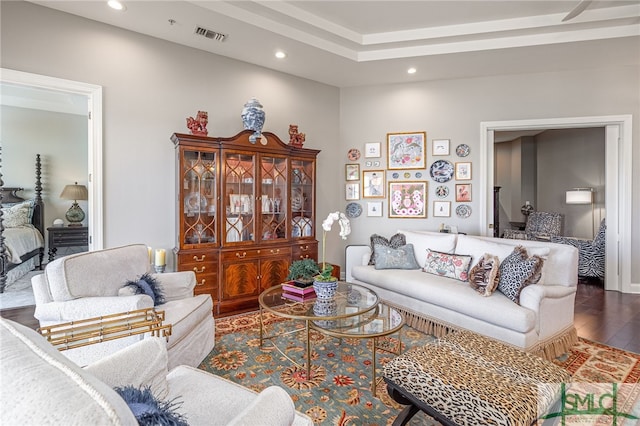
{"points": [[86, 285]]}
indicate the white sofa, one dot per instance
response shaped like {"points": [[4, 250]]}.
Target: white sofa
{"points": [[542, 323], [42, 387], [86, 285]]}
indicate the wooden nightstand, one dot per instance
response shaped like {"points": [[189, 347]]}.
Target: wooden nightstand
{"points": [[69, 236]]}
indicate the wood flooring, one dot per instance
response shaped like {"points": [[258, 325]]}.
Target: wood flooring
{"points": [[607, 317]]}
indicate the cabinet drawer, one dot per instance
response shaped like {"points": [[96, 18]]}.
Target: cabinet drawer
{"points": [[207, 283], [235, 255], [197, 258], [305, 251]]}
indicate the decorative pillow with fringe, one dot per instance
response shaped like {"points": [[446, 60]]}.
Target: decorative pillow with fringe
{"points": [[517, 271], [146, 284], [148, 411], [484, 277], [454, 266], [396, 241]]}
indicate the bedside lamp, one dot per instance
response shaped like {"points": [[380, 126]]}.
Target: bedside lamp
{"points": [[75, 192], [582, 196]]}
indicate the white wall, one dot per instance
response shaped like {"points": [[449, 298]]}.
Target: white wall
{"points": [[149, 87], [454, 109], [61, 141]]}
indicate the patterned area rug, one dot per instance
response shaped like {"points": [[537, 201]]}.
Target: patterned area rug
{"points": [[339, 389]]}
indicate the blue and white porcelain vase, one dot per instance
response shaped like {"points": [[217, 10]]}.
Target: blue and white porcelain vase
{"points": [[325, 289], [253, 118], [325, 308]]}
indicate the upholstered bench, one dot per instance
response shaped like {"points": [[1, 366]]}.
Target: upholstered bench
{"points": [[467, 379]]}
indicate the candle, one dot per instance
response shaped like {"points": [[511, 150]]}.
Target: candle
{"points": [[150, 254], [160, 257]]}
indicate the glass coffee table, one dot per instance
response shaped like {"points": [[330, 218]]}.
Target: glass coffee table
{"points": [[350, 300], [379, 322]]}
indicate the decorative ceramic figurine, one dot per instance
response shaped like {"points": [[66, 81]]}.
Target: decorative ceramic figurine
{"points": [[198, 126], [296, 139], [253, 118]]}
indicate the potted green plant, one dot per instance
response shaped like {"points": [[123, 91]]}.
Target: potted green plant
{"points": [[303, 271]]}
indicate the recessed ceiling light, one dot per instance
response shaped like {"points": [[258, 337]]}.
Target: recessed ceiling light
{"points": [[115, 4], [280, 54], [412, 70]]}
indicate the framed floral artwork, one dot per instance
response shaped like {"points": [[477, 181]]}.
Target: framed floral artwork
{"points": [[352, 171], [352, 191], [373, 184], [463, 171], [463, 192], [406, 150], [374, 208], [440, 147], [408, 199], [372, 150], [442, 209]]}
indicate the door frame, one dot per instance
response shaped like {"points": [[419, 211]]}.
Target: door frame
{"points": [[94, 138], [618, 172]]}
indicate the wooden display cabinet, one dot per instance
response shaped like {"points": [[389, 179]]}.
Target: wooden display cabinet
{"points": [[245, 212]]}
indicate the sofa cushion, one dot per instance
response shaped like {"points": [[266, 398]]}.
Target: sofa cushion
{"points": [[478, 246], [447, 265], [518, 271], [484, 277], [396, 240], [33, 370], [449, 294], [394, 258], [426, 240], [109, 269]]}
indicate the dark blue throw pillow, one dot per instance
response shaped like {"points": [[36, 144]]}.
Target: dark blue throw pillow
{"points": [[148, 285], [148, 410]]}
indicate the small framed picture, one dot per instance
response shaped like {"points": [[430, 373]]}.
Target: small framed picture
{"points": [[372, 150], [352, 171], [352, 191], [463, 192], [442, 209], [463, 171], [373, 184], [368, 163], [440, 147], [408, 199], [374, 208], [406, 150]]}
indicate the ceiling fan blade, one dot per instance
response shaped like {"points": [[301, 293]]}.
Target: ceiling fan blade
{"points": [[577, 10]]}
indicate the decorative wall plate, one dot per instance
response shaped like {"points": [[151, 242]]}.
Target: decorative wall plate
{"points": [[353, 210], [395, 175], [463, 211], [441, 171], [353, 154], [418, 175], [407, 175], [463, 150], [442, 191]]}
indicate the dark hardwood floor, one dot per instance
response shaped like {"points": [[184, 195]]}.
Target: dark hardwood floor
{"points": [[607, 317]]}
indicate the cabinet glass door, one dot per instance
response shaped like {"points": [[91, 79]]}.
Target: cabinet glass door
{"points": [[239, 197], [199, 197], [273, 198], [302, 196]]}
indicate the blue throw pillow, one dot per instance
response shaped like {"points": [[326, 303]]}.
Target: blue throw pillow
{"points": [[148, 410], [148, 285], [395, 258]]}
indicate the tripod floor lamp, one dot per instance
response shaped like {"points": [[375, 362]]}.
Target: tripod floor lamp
{"points": [[583, 196]]}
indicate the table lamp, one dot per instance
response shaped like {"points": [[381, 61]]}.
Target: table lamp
{"points": [[75, 192]]}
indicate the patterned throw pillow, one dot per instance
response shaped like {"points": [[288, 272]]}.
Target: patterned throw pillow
{"points": [[17, 215], [517, 271], [395, 258], [484, 277], [454, 266], [397, 240]]}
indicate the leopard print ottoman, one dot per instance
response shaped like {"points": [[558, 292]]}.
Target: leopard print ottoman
{"points": [[467, 379]]}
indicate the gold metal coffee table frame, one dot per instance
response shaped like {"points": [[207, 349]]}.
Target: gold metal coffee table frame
{"points": [[90, 331], [348, 304]]}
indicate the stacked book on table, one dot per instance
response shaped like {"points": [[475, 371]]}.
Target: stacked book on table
{"points": [[292, 291]]}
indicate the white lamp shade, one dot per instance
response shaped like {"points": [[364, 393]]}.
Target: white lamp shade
{"points": [[579, 196]]}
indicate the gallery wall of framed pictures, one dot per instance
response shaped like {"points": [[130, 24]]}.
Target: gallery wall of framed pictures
{"points": [[415, 169]]}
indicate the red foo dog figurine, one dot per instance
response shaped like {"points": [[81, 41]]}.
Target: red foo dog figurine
{"points": [[198, 126], [296, 139]]}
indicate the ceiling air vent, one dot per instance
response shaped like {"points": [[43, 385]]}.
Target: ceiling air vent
{"points": [[213, 35]]}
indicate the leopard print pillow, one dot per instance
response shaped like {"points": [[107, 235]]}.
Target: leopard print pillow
{"points": [[517, 271], [396, 241], [484, 277]]}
